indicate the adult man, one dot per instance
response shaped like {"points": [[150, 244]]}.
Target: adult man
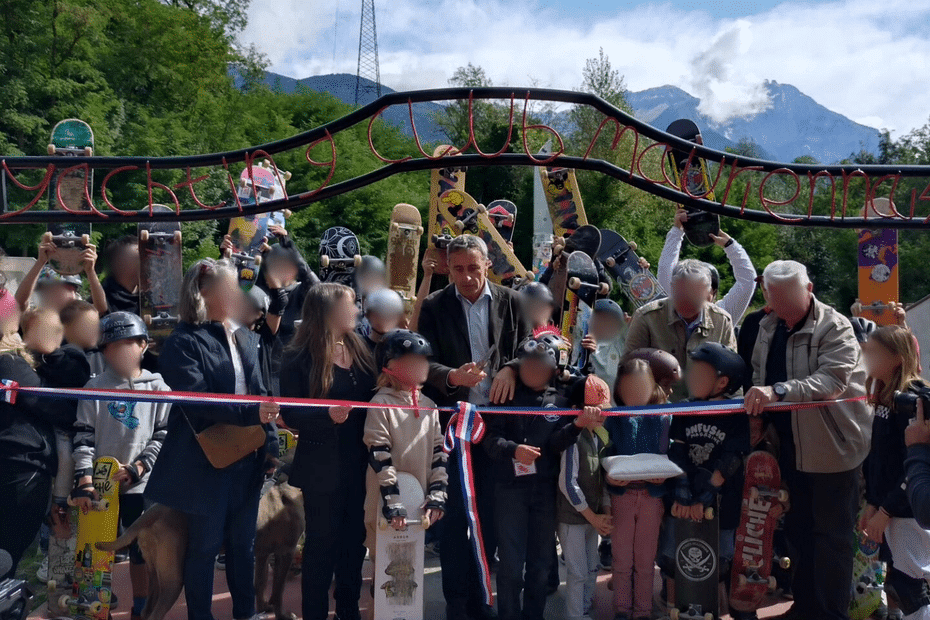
{"points": [[681, 322], [739, 296], [474, 327], [807, 351]]}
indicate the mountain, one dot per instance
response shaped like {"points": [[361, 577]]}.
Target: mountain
{"points": [[792, 126], [342, 87]]}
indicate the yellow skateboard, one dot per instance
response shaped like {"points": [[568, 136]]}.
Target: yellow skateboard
{"points": [[563, 199], [93, 569], [440, 230], [403, 253], [286, 442]]}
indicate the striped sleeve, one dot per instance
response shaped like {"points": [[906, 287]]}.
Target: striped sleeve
{"points": [[568, 480], [436, 494], [378, 439], [84, 442]]}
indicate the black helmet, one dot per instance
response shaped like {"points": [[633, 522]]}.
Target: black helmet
{"points": [[714, 277], [725, 361], [610, 307], [121, 326], [548, 346], [371, 264], [259, 299], [863, 328], [399, 342], [537, 291]]}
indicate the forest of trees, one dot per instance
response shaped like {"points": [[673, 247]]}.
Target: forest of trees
{"points": [[154, 78]]}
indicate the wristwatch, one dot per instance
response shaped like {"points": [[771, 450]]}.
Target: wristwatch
{"points": [[781, 390]]}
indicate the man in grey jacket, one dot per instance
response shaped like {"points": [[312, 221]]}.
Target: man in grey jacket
{"points": [[807, 351]]}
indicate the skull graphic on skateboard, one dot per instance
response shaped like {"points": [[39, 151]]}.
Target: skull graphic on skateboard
{"points": [[691, 177], [622, 263], [69, 191], [160, 274], [403, 253], [697, 567], [339, 255]]}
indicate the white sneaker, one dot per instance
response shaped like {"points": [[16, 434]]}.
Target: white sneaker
{"points": [[42, 571]]}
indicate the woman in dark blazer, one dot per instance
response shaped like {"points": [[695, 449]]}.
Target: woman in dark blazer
{"points": [[206, 353], [328, 359]]}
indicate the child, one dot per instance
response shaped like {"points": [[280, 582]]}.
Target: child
{"points": [[121, 286], [581, 509], [525, 451], [82, 329], [636, 507], [403, 439], [384, 311], [606, 334], [130, 431], [891, 360], [710, 448], [538, 304]]}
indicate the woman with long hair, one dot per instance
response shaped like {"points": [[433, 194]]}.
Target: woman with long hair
{"points": [[208, 352], [329, 360]]}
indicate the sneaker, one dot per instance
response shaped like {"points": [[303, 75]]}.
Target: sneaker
{"points": [[221, 561], [120, 558], [42, 571], [432, 549]]}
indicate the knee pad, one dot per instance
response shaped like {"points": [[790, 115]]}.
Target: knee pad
{"points": [[910, 592]]}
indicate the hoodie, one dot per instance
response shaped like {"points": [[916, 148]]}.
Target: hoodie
{"points": [[128, 431]]}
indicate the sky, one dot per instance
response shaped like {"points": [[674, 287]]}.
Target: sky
{"points": [[866, 59]]}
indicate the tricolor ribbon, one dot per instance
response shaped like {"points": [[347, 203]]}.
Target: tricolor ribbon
{"points": [[465, 429], [10, 389]]}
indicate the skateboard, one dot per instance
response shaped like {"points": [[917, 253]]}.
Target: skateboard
{"points": [[281, 177], [470, 217], [160, 274], [398, 578], [700, 223], [13, 269], [867, 577], [70, 191], [403, 253], [504, 215], [61, 550], [287, 442], [563, 199], [542, 253], [582, 288], [763, 503], [249, 234], [440, 231], [93, 569], [339, 256], [697, 567], [585, 239], [622, 263], [878, 266]]}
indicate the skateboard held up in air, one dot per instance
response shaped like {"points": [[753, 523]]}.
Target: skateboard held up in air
{"points": [[691, 177], [92, 589], [582, 289], [563, 199], [878, 266], [339, 256], [69, 190], [697, 567], [398, 577], [160, 274], [622, 263], [403, 254], [441, 180], [764, 502]]}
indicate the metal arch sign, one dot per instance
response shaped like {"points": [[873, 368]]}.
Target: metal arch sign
{"points": [[908, 187]]}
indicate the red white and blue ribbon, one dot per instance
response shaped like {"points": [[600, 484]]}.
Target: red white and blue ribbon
{"points": [[10, 389], [467, 428]]}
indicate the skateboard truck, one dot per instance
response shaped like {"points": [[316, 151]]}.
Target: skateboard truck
{"points": [[757, 492], [754, 578], [693, 613], [576, 284], [326, 261], [67, 240]]}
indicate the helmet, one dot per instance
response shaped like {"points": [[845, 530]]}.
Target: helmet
{"points": [[862, 327], [259, 299], [50, 276], [548, 346], [725, 361], [590, 391], [714, 277], [537, 291], [121, 326], [665, 367], [399, 342], [370, 265], [611, 307], [385, 302]]}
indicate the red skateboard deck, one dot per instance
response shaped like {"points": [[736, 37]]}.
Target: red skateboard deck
{"points": [[763, 503]]}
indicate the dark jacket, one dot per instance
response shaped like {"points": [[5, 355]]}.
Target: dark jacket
{"points": [[66, 367], [443, 324], [27, 438], [118, 298], [551, 433], [328, 455], [746, 341], [917, 467], [196, 358]]}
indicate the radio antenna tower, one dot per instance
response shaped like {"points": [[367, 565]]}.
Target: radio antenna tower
{"points": [[367, 52]]}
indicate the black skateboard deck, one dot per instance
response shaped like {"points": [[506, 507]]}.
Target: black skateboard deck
{"points": [[585, 239], [700, 224], [339, 256], [697, 567], [622, 263]]}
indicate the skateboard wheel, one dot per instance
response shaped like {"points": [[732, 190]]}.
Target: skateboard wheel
{"points": [[177, 236], [459, 225], [708, 616], [419, 230], [574, 284], [773, 583], [783, 495], [95, 608], [147, 318], [143, 235], [88, 151], [605, 288], [674, 614], [741, 580], [287, 175], [357, 261], [46, 237], [324, 261], [103, 505], [482, 209], [63, 601], [610, 262], [633, 246], [287, 212], [394, 227], [784, 563], [85, 239], [51, 149], [708, 513], [258, 260], [51, 584]]}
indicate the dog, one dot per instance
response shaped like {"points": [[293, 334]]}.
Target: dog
{"points": [[161, 533]]}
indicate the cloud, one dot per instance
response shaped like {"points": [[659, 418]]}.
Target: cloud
{"points": [[863, 59]]}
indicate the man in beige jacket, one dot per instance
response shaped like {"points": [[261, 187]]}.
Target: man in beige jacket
{"points": [[807, 351], [683, 321]]}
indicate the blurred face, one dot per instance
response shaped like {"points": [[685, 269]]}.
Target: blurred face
{"points": [[282, 270], [125, 265], [343, 316], [44, 334], [468, 272], [84, 330], [690, 297], [415, 368], [125, 357], [57, 295], [880, 362], [371, 281], [223, 298], [635, 390], [604, 326], [703, 381], [539, 312], [535, 373], [788, 299], [383, 323]]}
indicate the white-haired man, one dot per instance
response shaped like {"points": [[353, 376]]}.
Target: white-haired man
{"points": [[683, 321], [807, 351]]}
